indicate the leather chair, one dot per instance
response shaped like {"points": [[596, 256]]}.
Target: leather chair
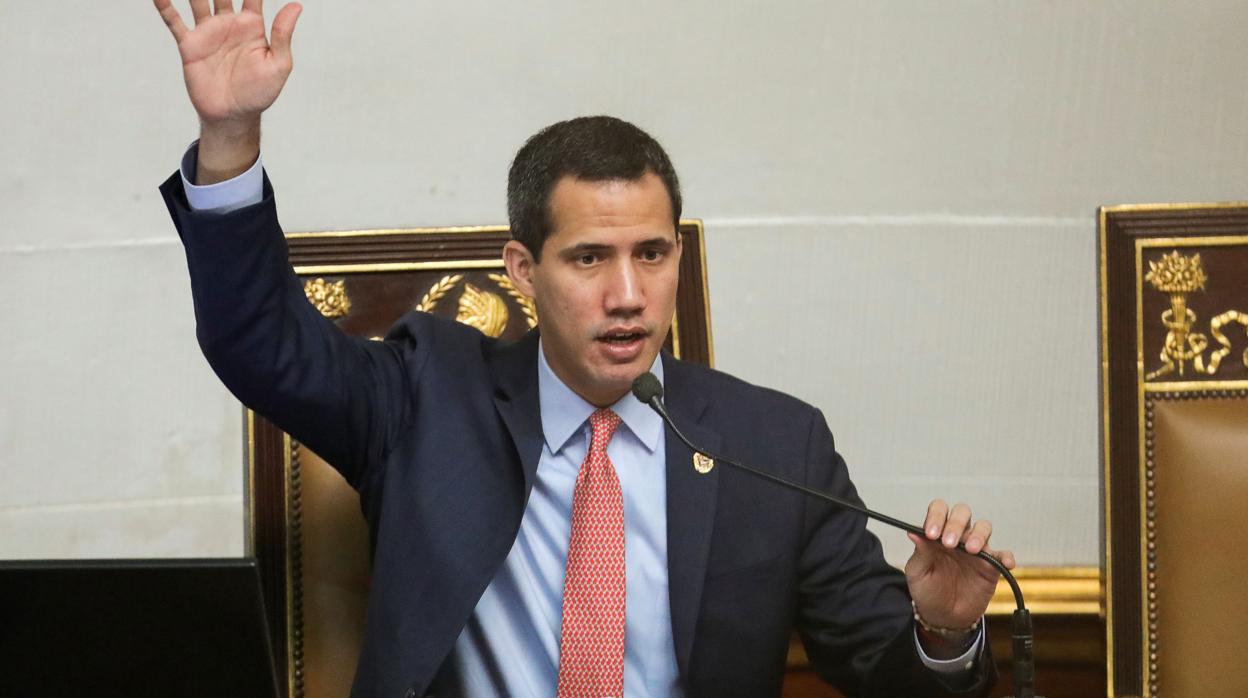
{"points": [[1174, 386], [305, 526]]}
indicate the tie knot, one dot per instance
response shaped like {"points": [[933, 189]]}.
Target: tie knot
{"points": [[602, 424]]}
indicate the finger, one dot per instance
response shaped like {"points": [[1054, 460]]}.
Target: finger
{"points": [[955, 525], [199, 9], [937, 512], [256, 6], [1004, 556], [977, 536], [223, 6], [283, 29], [173, 20]]}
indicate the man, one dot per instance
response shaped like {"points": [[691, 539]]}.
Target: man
{"points": [[533, 531]]}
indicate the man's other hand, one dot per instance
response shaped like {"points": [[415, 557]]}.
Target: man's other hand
{"points": [[950, 588]]}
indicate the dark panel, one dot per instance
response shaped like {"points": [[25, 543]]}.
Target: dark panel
{"points": [[269, 532], [399, 247], [133, 628], [1119, 288], [692, 306]]}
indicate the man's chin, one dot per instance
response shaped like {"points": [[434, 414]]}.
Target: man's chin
{"points": [[617, 381], [612, 375]]}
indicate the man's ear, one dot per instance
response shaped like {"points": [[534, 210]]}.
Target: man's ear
{"points": [[519, 262]]}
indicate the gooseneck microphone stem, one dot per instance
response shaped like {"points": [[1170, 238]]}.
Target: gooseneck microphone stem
{"points": [[648, 390], [657, 405]]}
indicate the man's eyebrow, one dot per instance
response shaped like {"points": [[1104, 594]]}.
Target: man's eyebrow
{"points": [[657, 242], [589, 247], [583, 248]]}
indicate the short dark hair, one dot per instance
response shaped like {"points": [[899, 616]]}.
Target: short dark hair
{"points": [[592, 148]]}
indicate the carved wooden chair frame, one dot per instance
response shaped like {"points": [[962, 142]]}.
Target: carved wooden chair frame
{"points": [[1168, 279]]}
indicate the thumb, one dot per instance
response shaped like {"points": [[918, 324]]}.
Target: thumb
{"points": [[283, 29], [924, 550]]}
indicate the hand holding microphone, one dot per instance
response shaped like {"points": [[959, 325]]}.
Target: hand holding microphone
{"points": [[953, 587]]}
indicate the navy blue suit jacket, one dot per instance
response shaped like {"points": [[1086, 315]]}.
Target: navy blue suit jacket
{"points": [[439, 430]]}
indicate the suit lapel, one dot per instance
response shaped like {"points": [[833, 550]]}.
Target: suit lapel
{"points": [[691, 499], [516, 399]]}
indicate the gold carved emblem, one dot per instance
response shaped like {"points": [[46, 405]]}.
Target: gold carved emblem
{"points": [[478, 307], [526, 304], [1215, 329], [1181, 276], [703, 463], [329, 298], [483, 310], [429, 301]]}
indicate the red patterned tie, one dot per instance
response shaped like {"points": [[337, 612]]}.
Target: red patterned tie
{"points": [[591, 649]]}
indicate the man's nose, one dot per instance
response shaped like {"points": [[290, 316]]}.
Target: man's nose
{"points": [[624, 293]]}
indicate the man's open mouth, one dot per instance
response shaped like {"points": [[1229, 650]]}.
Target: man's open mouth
{"points": [[622, 336]]}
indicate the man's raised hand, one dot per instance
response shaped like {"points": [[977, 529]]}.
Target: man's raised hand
{"points": [[233, 73]]}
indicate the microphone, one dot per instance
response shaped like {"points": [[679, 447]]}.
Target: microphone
{"points": [[648, 390]]}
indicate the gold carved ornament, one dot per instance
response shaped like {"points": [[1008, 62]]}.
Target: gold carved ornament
{"points": [[483, 310], [479, 308], [329, 298], [527, 306], [430, 300], [1181, 276]]}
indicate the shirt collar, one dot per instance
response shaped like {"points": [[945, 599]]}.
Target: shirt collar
{"points": [[564, 412]]}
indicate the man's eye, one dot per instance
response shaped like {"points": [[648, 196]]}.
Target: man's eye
{"points": [[651, 255], [587, 259]]}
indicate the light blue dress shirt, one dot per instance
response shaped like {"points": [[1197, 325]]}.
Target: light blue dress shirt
{"points": [[510, 646]]}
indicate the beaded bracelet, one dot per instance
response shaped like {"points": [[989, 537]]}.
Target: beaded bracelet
{"points": [[948, 633]]}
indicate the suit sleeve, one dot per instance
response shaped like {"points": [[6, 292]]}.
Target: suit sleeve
{"points": [[854, 614], [343, 397]]}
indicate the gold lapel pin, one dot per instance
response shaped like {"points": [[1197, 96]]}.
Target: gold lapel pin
{"points": [[703, 463]]}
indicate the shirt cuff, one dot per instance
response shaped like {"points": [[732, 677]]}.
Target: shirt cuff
{"points": [[958, 665], [222, 197]]}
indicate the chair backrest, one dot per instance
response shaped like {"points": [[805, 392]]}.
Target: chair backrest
{"points": [[1174, 392], [305, 527]]}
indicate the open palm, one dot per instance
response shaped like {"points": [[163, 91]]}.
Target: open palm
{"points": [[232, 70]]}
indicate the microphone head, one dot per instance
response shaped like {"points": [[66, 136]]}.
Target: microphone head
{"points": [[647, 387]]}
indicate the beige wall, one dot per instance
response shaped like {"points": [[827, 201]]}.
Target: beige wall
{"points": [[917, 179]]}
